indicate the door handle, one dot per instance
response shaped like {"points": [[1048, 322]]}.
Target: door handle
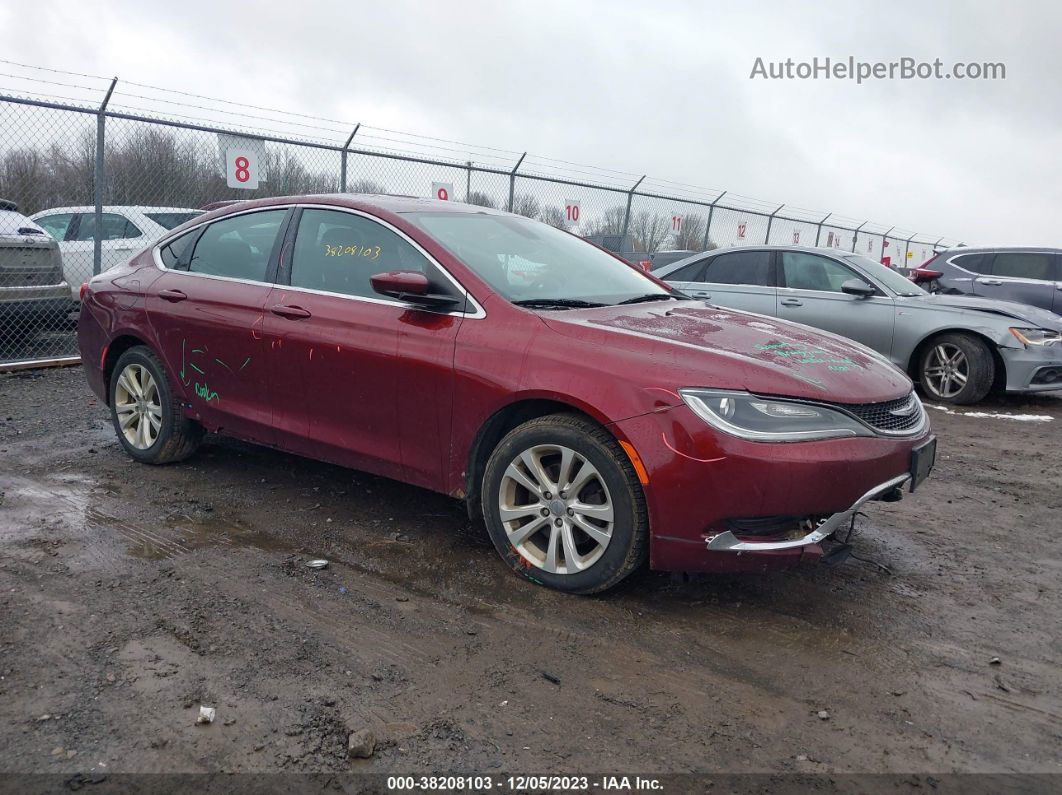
{"points": [[701, 293], [173, 296], [791, 302], [290, 312], [993, 282]]}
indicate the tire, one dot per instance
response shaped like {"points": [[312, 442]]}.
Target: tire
{"points": [[601, 528], [951, 357], [152, 427]]}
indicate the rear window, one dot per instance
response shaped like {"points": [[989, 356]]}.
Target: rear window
{"points": [[171, 220], [969, 262]]}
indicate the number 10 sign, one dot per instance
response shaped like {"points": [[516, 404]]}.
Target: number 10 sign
{"points": [[241, 168]]}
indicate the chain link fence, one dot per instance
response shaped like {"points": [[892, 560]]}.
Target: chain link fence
{"points": [[98, 180]]}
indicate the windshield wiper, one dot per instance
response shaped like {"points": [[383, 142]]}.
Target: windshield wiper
{"points": [[641, 299], [564, 303]]}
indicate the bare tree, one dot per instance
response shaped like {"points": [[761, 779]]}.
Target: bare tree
{"points": [[364, 185], [480, 199], [611, 223], [649, 230], [691, 236], [553, 215], [527, 205]]}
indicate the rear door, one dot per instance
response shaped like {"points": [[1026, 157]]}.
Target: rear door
{"points": [[360, 379], [1024, 276], [207, 312], [120, 239], [741, 280], [810, 292]]}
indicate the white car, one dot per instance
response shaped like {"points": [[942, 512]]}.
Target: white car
{"points": [[126, 229]]}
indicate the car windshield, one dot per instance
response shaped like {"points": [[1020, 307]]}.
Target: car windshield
{"points": [[897, 283], [530, 262], [172, 220]]}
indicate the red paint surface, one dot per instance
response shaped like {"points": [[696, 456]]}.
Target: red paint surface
{"points": [[407, 390]]}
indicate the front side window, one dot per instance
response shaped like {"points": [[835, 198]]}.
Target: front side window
{"points": [[114, 226], [896, 282], [339, 252], [238, 247], [525, 260], [1023, 266], [741, 267], [56, 225], [812, 272]]}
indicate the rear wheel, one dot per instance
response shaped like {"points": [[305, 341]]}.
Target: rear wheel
{"points": [[150, 423], [957, 368], [563, 505]]}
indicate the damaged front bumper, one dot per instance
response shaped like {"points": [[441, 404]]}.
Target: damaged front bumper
{"points": [[728, 542]]}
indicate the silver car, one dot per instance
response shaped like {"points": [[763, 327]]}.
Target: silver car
{"points": [[957, 347]]}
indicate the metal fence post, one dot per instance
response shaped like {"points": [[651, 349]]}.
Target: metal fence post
{"points": [[907, 248], [97, 243], [855, 235], [770, 221], [708, 225], [343, 160], [468, 180], [512, 180], [884, 237], [818, 231], [627, 213]]}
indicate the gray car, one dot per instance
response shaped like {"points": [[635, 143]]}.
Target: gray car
{"points": [[1026, 275], [33, 292], [956, 347]]}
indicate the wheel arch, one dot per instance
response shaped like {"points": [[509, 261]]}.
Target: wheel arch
{"points": [[112, 353], [999, 377], [498, 424]]}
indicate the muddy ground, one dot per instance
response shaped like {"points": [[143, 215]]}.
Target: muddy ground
{"points": [[131, 595]]}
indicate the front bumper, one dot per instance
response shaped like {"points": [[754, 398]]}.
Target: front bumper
{"points": [[728, 542], [699, 480], [1026, 366]]}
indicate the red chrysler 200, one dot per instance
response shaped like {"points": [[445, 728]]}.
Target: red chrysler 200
{"points": [[592, 416]]}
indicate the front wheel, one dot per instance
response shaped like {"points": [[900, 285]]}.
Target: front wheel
{"points": [[957, 368], [149, 421], [563, 505]]}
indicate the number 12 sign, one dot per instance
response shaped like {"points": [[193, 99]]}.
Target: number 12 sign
{"points": [[241, 168], [571, 210]]}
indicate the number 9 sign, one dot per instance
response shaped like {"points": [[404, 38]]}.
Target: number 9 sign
{"points": [[241, 168], [442, 190]]}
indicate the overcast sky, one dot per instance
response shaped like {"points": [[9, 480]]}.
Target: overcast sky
{"points": [[654, 87]]}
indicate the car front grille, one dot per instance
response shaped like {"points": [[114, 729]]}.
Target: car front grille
{"points": [[893, 416]]}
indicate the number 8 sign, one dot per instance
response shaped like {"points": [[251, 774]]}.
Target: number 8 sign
{"points": [[241, 168]]}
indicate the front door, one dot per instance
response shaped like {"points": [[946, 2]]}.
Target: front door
{"points": [[207, 312], [810, 293], [359, 379]]}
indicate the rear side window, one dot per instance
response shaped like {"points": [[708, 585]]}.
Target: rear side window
{"points": [[56, 225], [339, 252], [1024, 266], [741, 267], [969, 262], [174, 254], [115, 227], [238, 247], [687, 273], [171, 220]]}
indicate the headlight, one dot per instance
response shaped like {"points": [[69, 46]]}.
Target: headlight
{"points": [[768, 419], [1036, 336]]}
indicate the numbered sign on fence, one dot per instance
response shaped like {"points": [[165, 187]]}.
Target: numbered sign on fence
{"points": [[676, 223], [829, 240], [796, 237], [870, 244], [741, 230], [241, 168], [572, 210], [442, 190]]}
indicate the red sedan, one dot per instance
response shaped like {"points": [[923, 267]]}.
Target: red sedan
{"points": [[592, 416]]}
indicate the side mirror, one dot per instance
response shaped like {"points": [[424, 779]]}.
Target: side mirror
{"points": [[858, 288], [411, 287]]}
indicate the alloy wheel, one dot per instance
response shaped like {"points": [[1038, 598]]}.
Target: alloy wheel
{"points": [[556, 509], [947, 370], [138, 406]]}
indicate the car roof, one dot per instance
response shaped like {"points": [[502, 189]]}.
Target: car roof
{"points": [[982, 249], [671, 267], [111, 208]]}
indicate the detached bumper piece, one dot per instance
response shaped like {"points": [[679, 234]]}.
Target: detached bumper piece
{"points": [[728, 542]]}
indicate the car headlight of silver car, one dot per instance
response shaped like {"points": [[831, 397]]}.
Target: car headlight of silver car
{"points": [[762, 419], [1036, 336]]}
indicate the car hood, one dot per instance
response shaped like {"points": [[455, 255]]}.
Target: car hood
{"points": [[698, 345], [1030, 315]]}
